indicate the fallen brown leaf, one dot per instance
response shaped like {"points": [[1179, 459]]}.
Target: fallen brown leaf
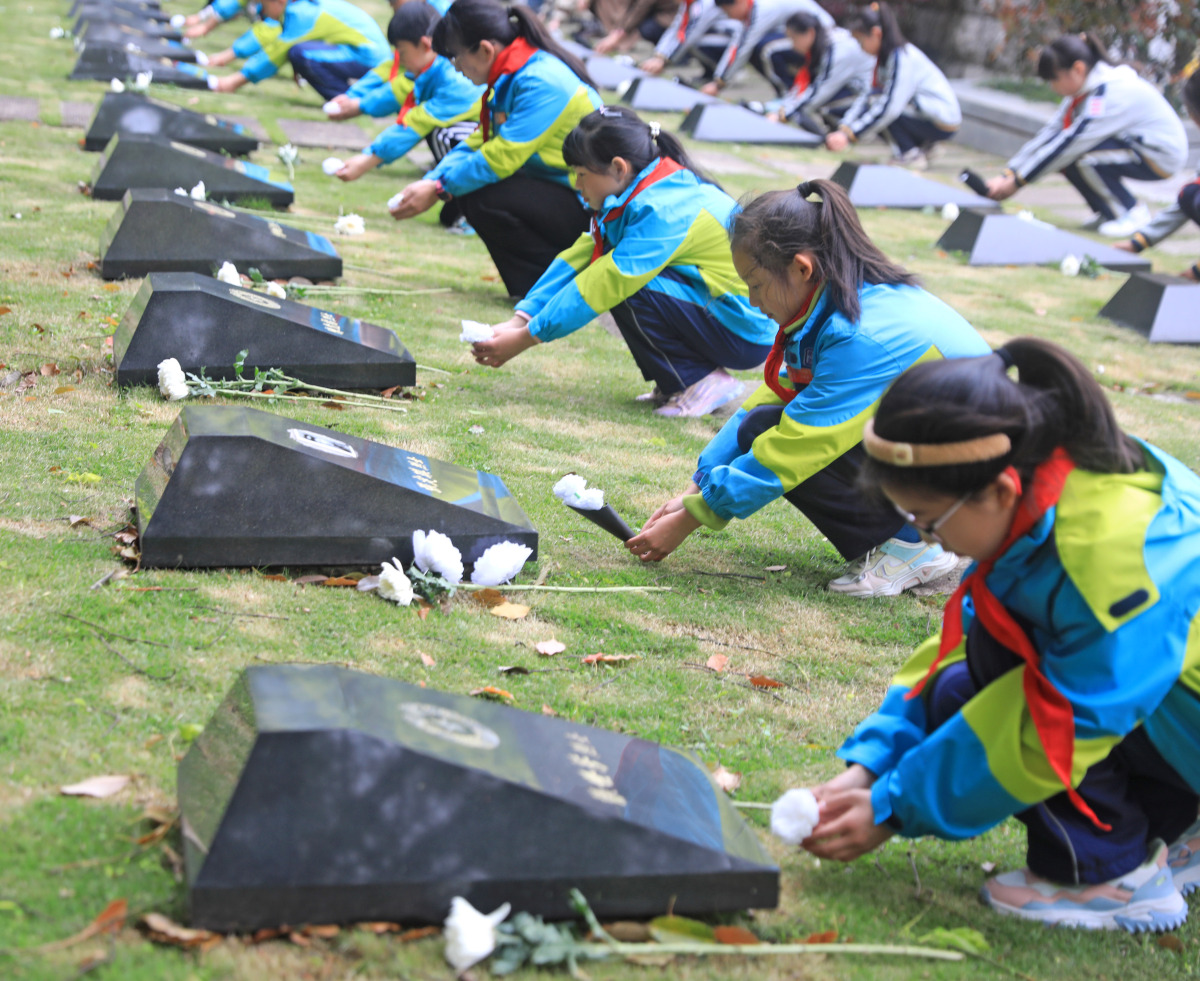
{"points": [[488, 597], [727, 780], [340, 581], [509, 611], [4, 310], [774, 568], [629, 931], [718, 662], [762, 681], [827, 937], [163, 930], [1169, 941], [418, 933], [608, 658], [110, 920], [734, 935], [48, 369], [104, 786], [275, 578], [75, 520], [496, 694], [110, 287], [63, 389], [379, 927], [326, 931], [548, 648], [306, 580], [426, 659], [547, 710]]}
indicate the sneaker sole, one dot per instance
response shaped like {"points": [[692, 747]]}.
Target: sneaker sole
{"points": [[1149, 916]]}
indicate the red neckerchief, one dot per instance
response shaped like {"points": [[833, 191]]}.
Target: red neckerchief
{"points": [[1071, 110], [775, 358], [511, 59], [681, 34], [664, 168], [749, 17], [803, 80], [395, 67], [1052, 715], [410, 100]]}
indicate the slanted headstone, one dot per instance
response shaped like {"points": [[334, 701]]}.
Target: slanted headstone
{"points": [[103, 63], [149, 47], [101, 32], [232, 486], [134, 114], [203, 323], [651, 94], [156, 230], [318, 794], [608, 73], [1007, 240], [143, 25], [309, 132], [880, 186], [721, 122], [1164, 308], [145, 11], [150, 161]]}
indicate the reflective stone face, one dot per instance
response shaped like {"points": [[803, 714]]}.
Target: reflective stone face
{"points": [[1006, 240], [156, 230], [879, 186], [650, 94], [204, 323], [103, 62], [318, 794], [150, 26], [722, 122], [139, 115], [1162, 307], [151, 162], [232, 486]]}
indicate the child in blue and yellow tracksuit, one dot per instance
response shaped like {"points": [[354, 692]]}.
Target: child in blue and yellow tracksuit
{"points": [[658, 257], [849, 321], [1064, 687], [441, 105], [509, 177], [328, 43]]}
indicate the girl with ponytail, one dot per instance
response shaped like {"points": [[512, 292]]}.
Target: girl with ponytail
{"points": [[909, 98], [850, 321], [1111, 125], [1063, 686], [657, 256], [509, 177], [836, 71]]}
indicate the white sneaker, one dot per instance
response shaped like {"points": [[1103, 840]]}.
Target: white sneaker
{"points": [[1127, 224], [1094, 222], [894, 567], [913, 159], [1184, 859]]}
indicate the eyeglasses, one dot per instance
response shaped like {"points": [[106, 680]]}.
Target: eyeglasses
{"points": [[930, 530]]}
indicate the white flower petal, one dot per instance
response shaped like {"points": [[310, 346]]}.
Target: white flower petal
{"points": [[470, 934], [171, 380], [350, 225], [394, 584], [228, 273], [277, 291], [794, 816], [434, 552], [1070, 265], [949, 211], [500, 563], [117, 85], [331, 165], [473, 332], [199, 192]]}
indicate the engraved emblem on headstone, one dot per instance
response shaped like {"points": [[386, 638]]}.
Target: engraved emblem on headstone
{"points": [[326, 444], [331, 323], [256, 298], [447, 724], [212, 209], [185, 148]]}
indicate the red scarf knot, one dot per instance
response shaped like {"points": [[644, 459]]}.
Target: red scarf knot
{"points": [[664, 168], [1052, 715], [775, 358], [511, 59]]}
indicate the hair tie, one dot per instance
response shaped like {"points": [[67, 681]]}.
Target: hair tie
{"points": [[1005, 356], [805, 189], [655, 129]]}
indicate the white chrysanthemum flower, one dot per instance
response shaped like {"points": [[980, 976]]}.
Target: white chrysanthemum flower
{"points": [[117, 85], [434, 552], [949, 211], [199, 192], [1026, 215], [171, 380], [178, 20], [394, 584], [331, 165], [470, 934], [228, 273], [394, 201], [573, 490], [57, 33], [794, 816], [212, 81], [201, 59], [473, 332], [142, 82], [350, 225], [277, 291], [499, 563], [181, 192], [332, 108], [1070, 265], [288, 153]]}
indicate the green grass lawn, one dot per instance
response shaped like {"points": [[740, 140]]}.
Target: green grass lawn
{"points": [[74, 706]]}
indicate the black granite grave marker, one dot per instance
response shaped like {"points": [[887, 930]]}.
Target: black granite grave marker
{"points": [[720, 122], [138, 115], [879, 186], [103, 62], [147, 47], [608, 73], [231, 486], [148, 161], [651, 94], [1006, 240], [151, 11], [113, 15], [317, 794], [102, 32], [1164, 308], [203, 323], [156, 230]]}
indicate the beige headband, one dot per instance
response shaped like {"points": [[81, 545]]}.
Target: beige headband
{"points": [[933, 454]]}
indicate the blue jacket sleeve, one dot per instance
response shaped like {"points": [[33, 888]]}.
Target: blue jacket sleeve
{"points": [[394, 142]]}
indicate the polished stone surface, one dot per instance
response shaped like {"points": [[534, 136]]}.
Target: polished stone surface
{"points": [[649, 94], [104, 62], [203, 323], [143, 47], [881, 186], [318, 794], [608, 73], [721, 122], [151, 11], [134, 114], [1164, 308], [132, 161], [156, 230], [233, 486], [1006, 240], [93, 14]]}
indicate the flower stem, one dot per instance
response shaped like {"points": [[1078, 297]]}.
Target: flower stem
{"points": [[382, 404], [760, 950], [571, 589], [367, 289]]}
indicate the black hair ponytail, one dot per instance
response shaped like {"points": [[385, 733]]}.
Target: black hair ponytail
{"points": [[1191, 91], [614, 131], [1054, 402], [1061, 54], [411, 22], [468, 22], [801, 23], [879, 15], [774, 227]]}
